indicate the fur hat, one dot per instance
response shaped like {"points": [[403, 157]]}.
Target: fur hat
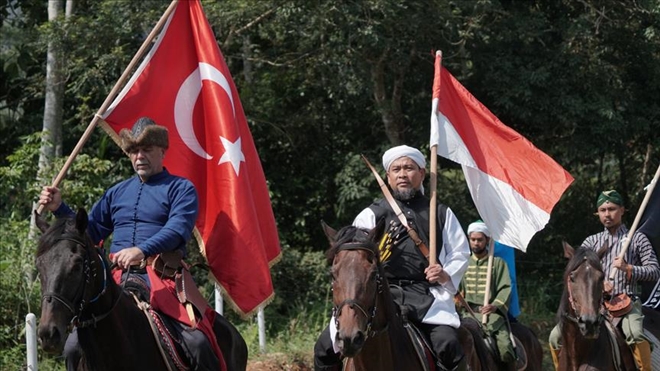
{"points": [[145, 132]]}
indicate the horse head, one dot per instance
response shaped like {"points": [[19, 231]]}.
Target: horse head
{"points": [[357, 280], [583, 294], [65, 262]]}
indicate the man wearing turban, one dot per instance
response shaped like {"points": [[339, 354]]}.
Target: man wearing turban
{"points": [[473, 287], [428, 290]]}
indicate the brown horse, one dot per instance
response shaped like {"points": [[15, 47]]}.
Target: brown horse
{"points": [[78, 291], [371, 333], [531, 359], [530, 342], [585, 339]]}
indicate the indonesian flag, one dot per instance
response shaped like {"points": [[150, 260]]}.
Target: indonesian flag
{"points": [[513, 184], [185, 85]]}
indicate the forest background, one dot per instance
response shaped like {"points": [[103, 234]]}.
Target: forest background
{"points": [[322, 82]]}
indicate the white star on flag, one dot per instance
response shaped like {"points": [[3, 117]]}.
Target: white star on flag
{"points": [[233, 153]]}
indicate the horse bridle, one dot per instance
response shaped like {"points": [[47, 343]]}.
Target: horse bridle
{"points": [[572, 303], [336, 311], [89, 273]]}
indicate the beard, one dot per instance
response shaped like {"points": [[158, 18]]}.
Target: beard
{"points": [[478, 251], [404, 195]]}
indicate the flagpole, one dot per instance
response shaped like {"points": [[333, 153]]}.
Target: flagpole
{"points": [[638, 217], [111, 96], [433, 185], [489, 273]]}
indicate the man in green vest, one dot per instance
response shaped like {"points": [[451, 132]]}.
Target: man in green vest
{"points": [[473, 287]]}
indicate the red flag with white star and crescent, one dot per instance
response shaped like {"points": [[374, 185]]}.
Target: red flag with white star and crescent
{"points": [[185, 85]]}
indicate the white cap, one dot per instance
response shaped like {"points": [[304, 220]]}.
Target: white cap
{"points": [[395, 153], [478, 226]]}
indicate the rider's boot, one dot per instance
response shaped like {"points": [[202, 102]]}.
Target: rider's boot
{"points": [[555, 356], [642, 354]]}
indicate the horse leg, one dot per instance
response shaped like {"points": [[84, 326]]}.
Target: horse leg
{"points": [[231, 343], [467, 342]]}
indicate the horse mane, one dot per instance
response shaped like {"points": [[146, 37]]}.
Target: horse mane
{"points": [[348, 234], [579, 256], [56, 230]]}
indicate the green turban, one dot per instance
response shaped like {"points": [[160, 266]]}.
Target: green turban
{"points": [[611, 196]]}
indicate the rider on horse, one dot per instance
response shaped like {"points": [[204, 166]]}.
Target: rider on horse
{"points": [[473, 288], [427, 291], [149, 214], [639, 264]]}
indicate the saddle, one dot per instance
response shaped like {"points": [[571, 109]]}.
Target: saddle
{"points": [[168, 343], [170, 265], [422, 347]]}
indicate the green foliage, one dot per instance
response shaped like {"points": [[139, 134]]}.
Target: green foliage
{"points": [[300, 280], [317, 81]]}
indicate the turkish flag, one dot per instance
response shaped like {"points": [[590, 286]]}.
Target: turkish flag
{"points": [[513, 184], [185, 85]]}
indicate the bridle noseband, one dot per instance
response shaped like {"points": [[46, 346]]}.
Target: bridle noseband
{"points": [[336, 311], [89, 273]]}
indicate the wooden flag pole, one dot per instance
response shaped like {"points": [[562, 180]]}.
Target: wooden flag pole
{"points": [[638, 217], [489, 273], [433, 185], [108, 100]]}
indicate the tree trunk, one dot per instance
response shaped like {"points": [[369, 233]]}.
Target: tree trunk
{"points": [[390, 107]]}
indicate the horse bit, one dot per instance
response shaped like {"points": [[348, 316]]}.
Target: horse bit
{"points": [[336, 311], [87, 271]]}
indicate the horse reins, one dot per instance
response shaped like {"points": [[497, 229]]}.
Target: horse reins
{"points": [[336, 311], [76, 321]]}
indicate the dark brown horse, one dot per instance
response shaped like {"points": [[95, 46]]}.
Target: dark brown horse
{"points": [[78, 291], [530, 342], [531, 359], [371, 332], [585, 338]]}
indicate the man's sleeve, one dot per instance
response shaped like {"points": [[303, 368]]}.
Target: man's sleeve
{"points": [[502, 294], [648, 269], [365, 219], [455, 252]]}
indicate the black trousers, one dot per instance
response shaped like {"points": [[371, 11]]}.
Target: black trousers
{"points": [[443, 339]]}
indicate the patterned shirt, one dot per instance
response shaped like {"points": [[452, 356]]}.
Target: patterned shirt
{"points": [[640, 255]]}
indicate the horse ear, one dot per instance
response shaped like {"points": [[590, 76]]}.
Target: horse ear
{"points": [[378, 230], [42, 224], [329, 232], [601, 252], [568, 250], [81, 221]]}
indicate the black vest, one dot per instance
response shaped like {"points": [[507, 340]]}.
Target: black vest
{"points": [[407, 262]]}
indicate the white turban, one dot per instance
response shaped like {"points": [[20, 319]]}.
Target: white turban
{"points": [[478, 226], [395, 153]]}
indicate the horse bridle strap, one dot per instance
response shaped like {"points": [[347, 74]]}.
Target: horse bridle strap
{"points": [[571, 301], [75, 321]]}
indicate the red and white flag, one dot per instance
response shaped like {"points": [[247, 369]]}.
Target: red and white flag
{"points": [[185, 85], [513, 184]]}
